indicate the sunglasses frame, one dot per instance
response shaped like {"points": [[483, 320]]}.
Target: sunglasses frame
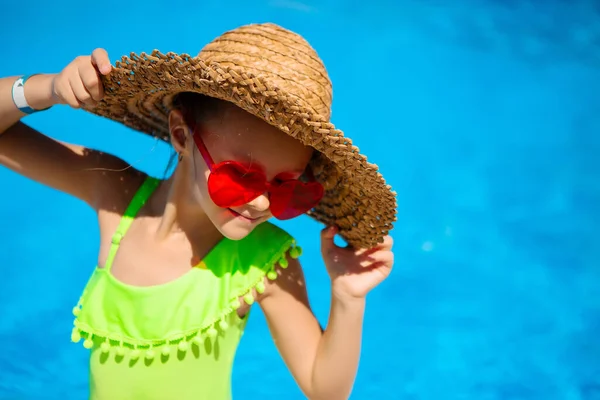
{"points": [[269, 185]]}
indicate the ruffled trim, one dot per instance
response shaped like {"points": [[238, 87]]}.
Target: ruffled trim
{"points": [[192, 337]]}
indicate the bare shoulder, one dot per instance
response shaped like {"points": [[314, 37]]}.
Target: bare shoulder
{"points": [[115, 193], [117, 189]]}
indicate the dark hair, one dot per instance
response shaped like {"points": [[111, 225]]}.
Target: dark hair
{"points": [[196, 108]]}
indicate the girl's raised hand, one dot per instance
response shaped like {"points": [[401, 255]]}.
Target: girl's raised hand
{"points": [[79, 82]]}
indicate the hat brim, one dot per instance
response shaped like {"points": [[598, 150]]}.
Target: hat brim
{"points": [[357, 199]]}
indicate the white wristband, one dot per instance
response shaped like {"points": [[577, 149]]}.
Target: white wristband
{"points": [[18, 95]]}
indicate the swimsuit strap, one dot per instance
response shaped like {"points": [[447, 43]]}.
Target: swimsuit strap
{"points": [[138, 201]]}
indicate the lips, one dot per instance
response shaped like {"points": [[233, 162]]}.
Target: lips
{"points": [[242, 215]]}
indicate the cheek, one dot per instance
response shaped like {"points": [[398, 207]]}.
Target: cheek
{"points": [[198, 178], [199, 183], [197, 189], [201, 198]]}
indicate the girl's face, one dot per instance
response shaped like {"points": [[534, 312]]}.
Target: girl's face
{"points": [[236, 135]]}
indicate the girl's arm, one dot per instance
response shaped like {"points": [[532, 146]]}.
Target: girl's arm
{"points": [[66, 167], [324, 363]]}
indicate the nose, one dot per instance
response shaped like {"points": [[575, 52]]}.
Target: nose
{"points": [[261, 203]]}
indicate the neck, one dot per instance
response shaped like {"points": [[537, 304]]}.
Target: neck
{"points": [[181, 215]]}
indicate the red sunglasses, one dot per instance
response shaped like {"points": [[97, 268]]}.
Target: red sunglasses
{"points": [[233, 184]]}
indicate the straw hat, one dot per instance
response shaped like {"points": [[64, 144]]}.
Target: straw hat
{"points": [[277, 76]]}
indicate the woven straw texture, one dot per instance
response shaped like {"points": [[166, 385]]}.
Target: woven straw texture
{"points": [[277, 76]]}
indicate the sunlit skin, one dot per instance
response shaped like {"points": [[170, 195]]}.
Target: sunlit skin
{"points": [[180, 223]]}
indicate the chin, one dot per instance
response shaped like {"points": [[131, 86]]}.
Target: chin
{"points": [[234, 228], [234, 231]]}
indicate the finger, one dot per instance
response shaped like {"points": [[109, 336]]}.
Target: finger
{"points": [[367, 252], [382, 268], [81, 93], [91, 82], [69, 97], [327, 236], [386, 257], [387, 243], [101, 61]]}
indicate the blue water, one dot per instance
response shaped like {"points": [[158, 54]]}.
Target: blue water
{"points": [[483, 115]]}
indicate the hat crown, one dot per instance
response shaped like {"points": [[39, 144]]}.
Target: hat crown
{"points": [[281, 59]]}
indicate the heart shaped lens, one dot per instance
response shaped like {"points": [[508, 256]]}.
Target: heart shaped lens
{"points": [[293, 198], [231, 184]]}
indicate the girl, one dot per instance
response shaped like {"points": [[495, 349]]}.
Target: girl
{"points": [[182, 260]]}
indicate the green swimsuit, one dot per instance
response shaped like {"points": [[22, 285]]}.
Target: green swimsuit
{"points": [[175, 340]]}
